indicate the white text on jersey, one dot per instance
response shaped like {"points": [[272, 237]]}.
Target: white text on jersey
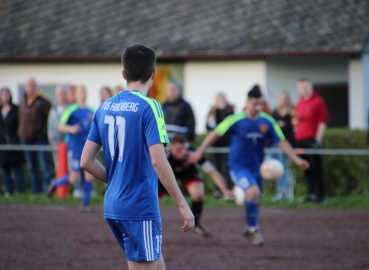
{"points": [[122, 106]]}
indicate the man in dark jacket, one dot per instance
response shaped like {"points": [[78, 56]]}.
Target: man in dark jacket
{"points": [[33, 113], [178, 114]]}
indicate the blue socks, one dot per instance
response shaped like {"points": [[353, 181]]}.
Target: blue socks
{"points": [[252, 214], [64, 180], [87, 189]]}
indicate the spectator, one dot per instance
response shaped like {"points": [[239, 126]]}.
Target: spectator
{"points": [[71, 95], [8, 135], [33, 113], [117, 89], [218, 112], [55, 136], [178, 114], [282, 115], [105, 93], [311, 119]]}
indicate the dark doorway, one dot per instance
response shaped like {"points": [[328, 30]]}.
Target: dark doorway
{"points": [[336, 98]]}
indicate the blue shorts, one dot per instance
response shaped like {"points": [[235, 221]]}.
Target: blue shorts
{"points": [[244, 178], [140, 239], [74, 159]]}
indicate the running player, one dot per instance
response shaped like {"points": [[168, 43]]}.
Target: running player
{"points": [[131, 129], [249, 131], [191, 179], [76, 121]]}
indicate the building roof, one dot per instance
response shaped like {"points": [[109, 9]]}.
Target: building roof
{"points": [[180, 29]]}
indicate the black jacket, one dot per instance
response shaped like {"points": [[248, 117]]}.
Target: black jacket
{"points": [[8, 135], [179, 118], [220, 115], [286, 126]]}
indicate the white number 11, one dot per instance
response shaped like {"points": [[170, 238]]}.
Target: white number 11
{"points": [[120, 121]]}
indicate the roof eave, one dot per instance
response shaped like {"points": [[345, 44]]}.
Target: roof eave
{"points": [[174, 56]]}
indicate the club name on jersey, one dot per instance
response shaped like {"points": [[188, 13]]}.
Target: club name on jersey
{"points": [[121, 106]]}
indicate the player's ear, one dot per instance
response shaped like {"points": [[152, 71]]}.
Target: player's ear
{"points": [[124, 74], [153, 74]]}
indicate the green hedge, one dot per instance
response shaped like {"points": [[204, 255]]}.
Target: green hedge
{"points": [[343, 175]]}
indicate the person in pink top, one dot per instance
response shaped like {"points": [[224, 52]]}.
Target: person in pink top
{"points": [[310, 122]]}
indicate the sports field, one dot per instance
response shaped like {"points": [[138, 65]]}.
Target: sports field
{"points": [[59, 237]]}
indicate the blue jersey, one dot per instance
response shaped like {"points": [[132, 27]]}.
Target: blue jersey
{"points": [[248, 138], [83, 117], [126, 125]]}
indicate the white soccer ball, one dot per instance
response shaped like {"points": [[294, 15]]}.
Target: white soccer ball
{"points": [[239, 195], [271, 169]]}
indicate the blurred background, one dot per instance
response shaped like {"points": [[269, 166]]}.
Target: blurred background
{"points": [[204, 46]]}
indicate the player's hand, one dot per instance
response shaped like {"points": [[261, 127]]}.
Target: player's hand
{"points": [[302, 163], [189, 219], [75, 129], [193, 157], [228, 193]]}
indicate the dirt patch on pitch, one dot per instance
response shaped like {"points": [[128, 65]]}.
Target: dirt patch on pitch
{"points": [[44, 237]]}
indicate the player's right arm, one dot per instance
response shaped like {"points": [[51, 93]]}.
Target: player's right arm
{"points": [[224, 127], [208, 141], [166, 176], [89, 162]]}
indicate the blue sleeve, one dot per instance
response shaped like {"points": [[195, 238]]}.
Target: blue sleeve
{"points": [[94, 134]]}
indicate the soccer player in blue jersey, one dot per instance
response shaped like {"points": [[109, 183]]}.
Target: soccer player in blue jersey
{"points": [[76, 121], [249, 131], [131, 129]]}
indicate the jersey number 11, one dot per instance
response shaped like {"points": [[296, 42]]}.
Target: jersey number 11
{"points": [[120, 122]]}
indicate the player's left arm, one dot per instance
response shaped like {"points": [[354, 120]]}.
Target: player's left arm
{"points": [[89, 162], [288, 150], [208, 141], [278, 137], [217, 178]]}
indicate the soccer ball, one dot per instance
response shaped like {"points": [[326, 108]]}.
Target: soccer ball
{"points": [[239, 195], [271, 169]]}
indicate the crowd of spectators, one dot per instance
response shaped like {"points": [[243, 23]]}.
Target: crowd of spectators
{"points": [[35, 122]]}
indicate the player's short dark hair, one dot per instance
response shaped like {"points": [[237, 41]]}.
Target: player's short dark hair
{"points": [[178, 139], [255, 92], [138, 63]]}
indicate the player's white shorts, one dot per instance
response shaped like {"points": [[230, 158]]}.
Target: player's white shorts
{"points": [[140, 239]]}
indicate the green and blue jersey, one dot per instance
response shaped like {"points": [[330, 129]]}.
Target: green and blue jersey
{"points": [[248, 138], [126, 125], [82, 116]]}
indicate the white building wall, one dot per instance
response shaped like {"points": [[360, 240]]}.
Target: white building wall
{"points": [[284, 71], [356, 95], [203, 80], [92, 75]]}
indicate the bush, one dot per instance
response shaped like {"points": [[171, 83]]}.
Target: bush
{"points": [[343, 175]]}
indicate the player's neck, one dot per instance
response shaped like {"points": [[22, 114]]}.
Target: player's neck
{"points": [[81, 104], [143, 88], [252, 115]]}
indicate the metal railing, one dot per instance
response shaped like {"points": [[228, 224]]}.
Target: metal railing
{"points": [[300, 151]]}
